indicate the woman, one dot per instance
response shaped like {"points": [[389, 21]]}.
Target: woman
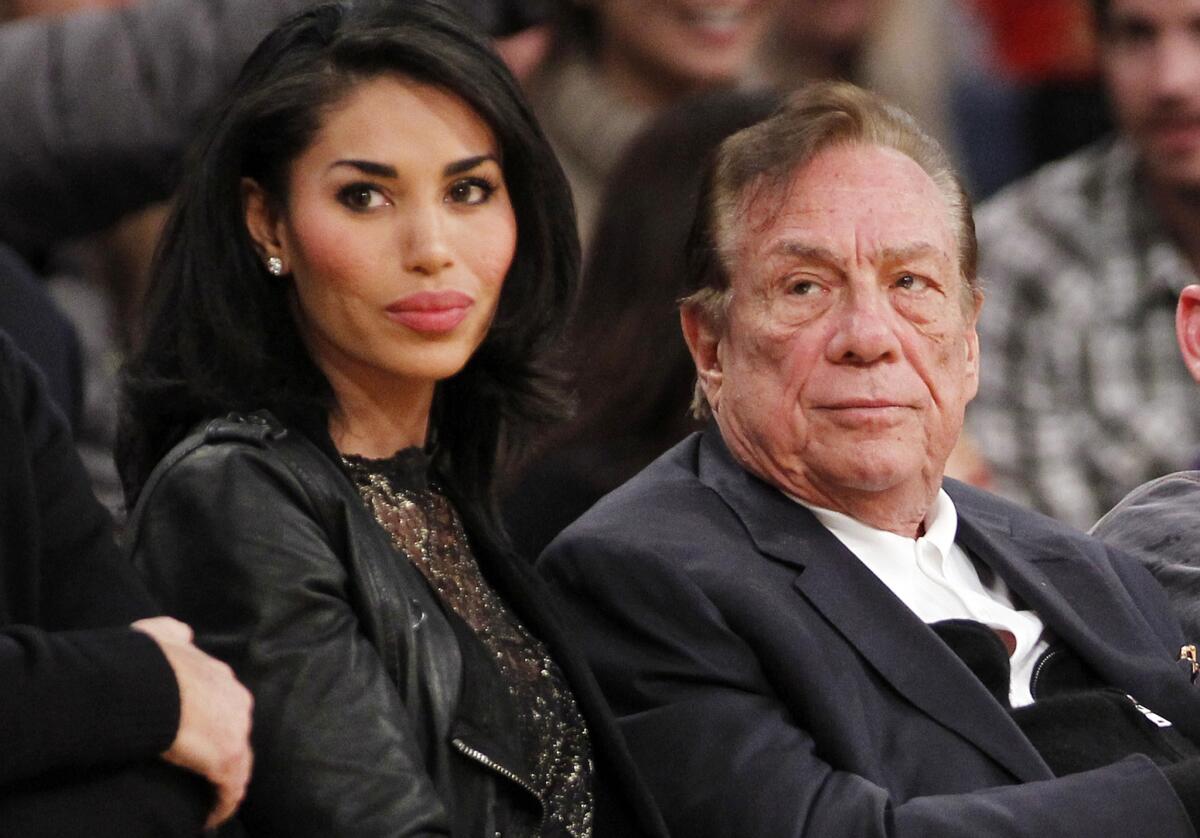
{"points": [[614, 64], [355, 295]]}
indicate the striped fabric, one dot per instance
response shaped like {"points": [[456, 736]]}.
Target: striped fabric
{"points": [[1083, 394]]}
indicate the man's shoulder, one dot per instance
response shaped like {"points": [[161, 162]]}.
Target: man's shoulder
{"points": [[988, 510], [1160, 517], [666, 505], [1060, 202]]}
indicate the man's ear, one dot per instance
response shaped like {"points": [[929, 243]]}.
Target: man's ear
{"points": [[1187, 328], [262, 222], [972, 342], [703, 343]]}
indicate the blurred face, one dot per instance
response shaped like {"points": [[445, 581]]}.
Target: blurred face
{"points": [[1151, 60], [677, 45], [830, 25], [397, 235], [849, 351], [38, 8]]}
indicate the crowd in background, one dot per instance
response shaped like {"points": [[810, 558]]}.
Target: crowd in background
{"points": [[632, 95], [157, 254]]}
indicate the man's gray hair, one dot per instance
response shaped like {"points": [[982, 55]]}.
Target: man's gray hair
{"points": [[764, 157]]}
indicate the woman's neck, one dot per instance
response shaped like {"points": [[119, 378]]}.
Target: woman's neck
{"points": [[377, 421]]}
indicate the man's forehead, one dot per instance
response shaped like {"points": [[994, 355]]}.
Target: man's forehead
{"points": [[1153, 12], [876, 197]]}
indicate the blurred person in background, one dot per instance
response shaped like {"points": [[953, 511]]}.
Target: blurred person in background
{"points": [[1083, 395], [614, 63], [1159, 522], [624, 351], [901, 49]]}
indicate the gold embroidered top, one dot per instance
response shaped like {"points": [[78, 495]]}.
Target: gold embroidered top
{"points": [[425, 528]]}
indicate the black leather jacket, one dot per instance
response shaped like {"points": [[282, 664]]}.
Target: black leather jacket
{"points": [[377, 712]]}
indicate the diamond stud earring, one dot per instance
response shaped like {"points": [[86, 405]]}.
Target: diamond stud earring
{"points": [[275, 266]]}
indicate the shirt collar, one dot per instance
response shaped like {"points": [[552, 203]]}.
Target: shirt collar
{"points": [[941, 526]]}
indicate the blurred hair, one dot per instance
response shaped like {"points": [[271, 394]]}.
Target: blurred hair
{"points": [[631, 364], [576, 26], [1101, 16], [626, 352], [762, 160], [220, 334]]}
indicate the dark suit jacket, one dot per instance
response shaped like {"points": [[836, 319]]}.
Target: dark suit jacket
{"points": [[86, 704], [770, 685]]}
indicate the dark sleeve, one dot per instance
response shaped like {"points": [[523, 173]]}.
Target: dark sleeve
{"points": [[99, 106], [35, 323], [80, 699], [1159, 524], [148, 800], [59, 565], [229, 541], [724, 756], [84, 699]]}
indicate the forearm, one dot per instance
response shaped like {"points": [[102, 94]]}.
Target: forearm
{"points": [[74, 700]]}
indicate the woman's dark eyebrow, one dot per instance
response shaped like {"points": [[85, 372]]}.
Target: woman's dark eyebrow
{"points": [[465, 165], [367, 167], [383, 170]]}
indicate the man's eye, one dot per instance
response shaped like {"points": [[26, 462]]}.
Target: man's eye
{"points": [[912, 282], [470, 191], [361, 196], [803, 287]]}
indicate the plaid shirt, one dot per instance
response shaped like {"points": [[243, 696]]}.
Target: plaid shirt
{"points": [[1083, 393]]}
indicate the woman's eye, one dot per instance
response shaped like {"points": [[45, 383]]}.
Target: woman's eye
{"points": [[361, 196], [470, 191]]}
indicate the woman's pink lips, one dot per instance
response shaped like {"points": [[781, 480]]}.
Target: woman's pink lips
{"points": [[431, 311]]}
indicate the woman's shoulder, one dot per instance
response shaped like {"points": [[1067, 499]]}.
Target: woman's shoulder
{"points": [[241, 454]]}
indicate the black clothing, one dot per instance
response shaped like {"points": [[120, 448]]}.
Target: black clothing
{"points": [[32, 319], [377, 710], [84, 710], [426, 529]]}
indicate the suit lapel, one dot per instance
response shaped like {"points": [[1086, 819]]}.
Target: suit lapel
{"points": [[884, 631], [1098, 621]]}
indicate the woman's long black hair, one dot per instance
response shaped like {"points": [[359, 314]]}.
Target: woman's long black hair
{"points": [[220, 336]]}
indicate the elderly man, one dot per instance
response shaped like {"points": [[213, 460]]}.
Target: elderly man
{"points": [[804, 629]]}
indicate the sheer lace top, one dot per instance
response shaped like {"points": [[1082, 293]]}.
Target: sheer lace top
{"points": [[425, 527]]}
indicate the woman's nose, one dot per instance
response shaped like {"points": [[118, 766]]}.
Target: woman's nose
{"points": [[425, 247]]}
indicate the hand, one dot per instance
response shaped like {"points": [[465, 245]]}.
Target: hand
{"points": [[214, 716]]}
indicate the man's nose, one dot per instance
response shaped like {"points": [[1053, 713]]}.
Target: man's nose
{"points": [[865, 330], [424, 245]]}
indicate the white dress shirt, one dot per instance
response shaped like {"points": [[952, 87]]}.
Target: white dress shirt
{"points": [[935, 578]]}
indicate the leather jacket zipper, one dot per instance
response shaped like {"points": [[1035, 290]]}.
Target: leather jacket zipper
{"points": [[487, 762]]}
